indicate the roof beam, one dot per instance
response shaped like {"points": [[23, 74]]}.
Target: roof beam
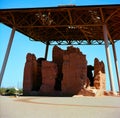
{"points": [[53, 26], [70, 17], [102, 15], [108, 18]]}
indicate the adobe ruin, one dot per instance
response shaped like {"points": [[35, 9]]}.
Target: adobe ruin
{"points": [[67, 74]]}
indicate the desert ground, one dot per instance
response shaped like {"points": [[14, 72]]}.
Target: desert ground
{"points": [[59, 107]]}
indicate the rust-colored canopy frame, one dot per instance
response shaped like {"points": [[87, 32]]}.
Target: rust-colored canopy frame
{"points": [[65, 24]]}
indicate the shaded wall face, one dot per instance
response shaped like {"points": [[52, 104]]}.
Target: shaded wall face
{"points": [[90, 70], [58, 59], [74, 73], [49, 72], [39, 73]]}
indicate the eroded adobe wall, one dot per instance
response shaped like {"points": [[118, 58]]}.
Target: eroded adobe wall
{"points": [[57, 56], [99, 75], [74, 71], [30, 74], [49, 72], [67, 74]]}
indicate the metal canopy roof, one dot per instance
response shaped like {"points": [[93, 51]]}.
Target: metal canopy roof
{"points": [[65, 24]]}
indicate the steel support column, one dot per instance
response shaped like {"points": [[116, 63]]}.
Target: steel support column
{"points": [[116, 65], [115, 59], [7, 55], [46, 52], [108, 58]]}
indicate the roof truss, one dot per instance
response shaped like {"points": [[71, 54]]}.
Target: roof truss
{"points": [[65, 25]]}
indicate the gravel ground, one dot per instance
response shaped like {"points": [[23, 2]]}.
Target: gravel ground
{"points": [[59, 107]]}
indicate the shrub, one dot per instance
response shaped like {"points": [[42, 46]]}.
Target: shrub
{"points": [[2, 91], [10, 91]]}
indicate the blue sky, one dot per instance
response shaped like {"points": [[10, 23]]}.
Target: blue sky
{"points": [[47, 3], [13, 75]]}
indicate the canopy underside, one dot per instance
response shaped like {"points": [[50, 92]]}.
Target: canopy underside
{"points": [[65, 24]]}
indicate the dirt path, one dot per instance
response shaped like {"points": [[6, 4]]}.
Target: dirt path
{"points": [[59, 107]]}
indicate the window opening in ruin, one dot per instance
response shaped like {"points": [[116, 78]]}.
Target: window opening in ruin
{"points": [[90, 74]]}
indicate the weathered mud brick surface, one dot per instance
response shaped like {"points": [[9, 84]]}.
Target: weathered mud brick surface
{"points": [[99, 75], [74, 71], [49, 73], [30, 72], [67, 74]]}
